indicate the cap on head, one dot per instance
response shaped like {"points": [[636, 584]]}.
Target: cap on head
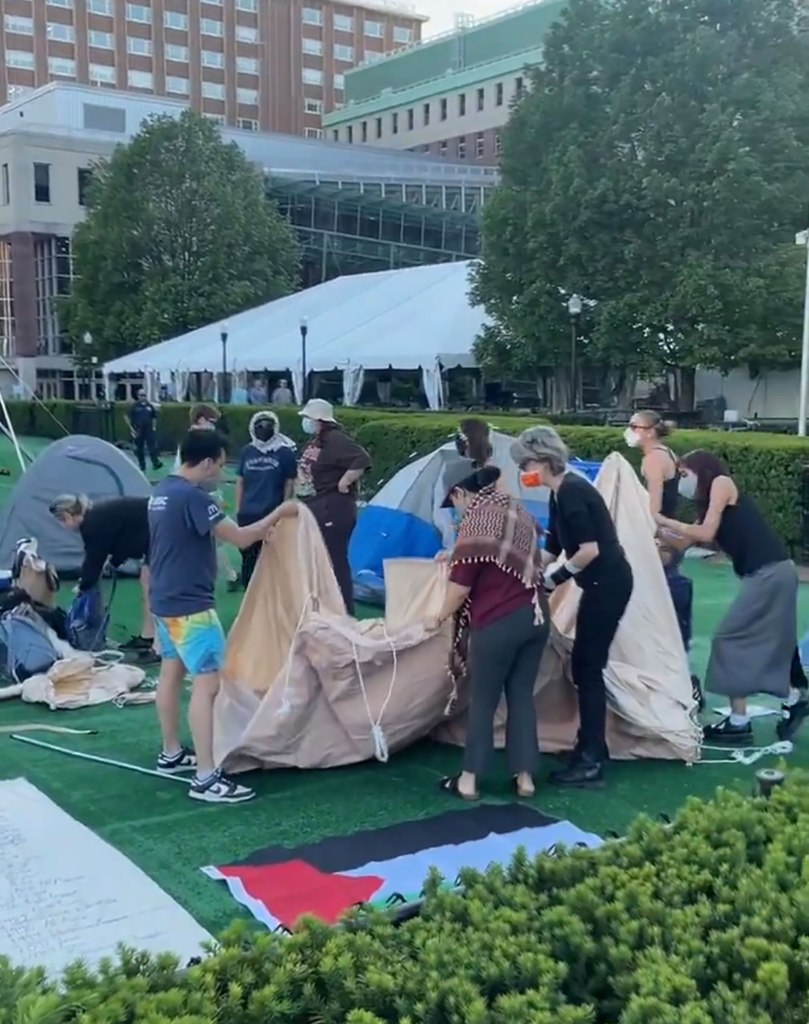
{"points": [[456, 473], [318, 409]]}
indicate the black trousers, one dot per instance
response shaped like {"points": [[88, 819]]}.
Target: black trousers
{"points": [[336, 515], [249, 555], [601, 609], [504, 657], [797, 677], [147, 441]]}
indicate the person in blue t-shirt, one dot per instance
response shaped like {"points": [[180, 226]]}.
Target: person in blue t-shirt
{"points": [[185, 521], [265, 478]]}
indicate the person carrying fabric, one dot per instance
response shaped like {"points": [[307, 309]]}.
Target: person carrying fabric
{"points": [[204, 416], [142, 419], [501, 624], [580, 528], [753, 649], [658, 468], [265, 478], [115, 530], [184, 525], [329, 470]]}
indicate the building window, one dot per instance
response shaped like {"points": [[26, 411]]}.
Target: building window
{"points": [[101, 40], [312, 16], [313, 133], [247, 33], [85, 180], [498, 94], [481, 99], [20, 59], [248, 124], [209, 27], [402, 35], [42, 183], [62, 67], [372, 56], [141, 47], [247, 5], [5, 186], [314, 47], [426, 113], [335, 134], [411, 120], [106, 7], [139, 13], [442, 147], [462, 105], [247, 96], [374, 29], [53, 272], [339, 82], [6, 300], [68, 4], [177, 53], [213, 90], [498, 144], [462, 148], [176, 85], [350, 134], [394, 123], [139, 79], [61, 33], [216, 118], [364, 131], [247, 65], [175, 19], [313, 76], [443, 109], [313, 106], [18, 25], [102, 74], [379, 127], [518, 88], [480, 146], [345, 53], [343, 23], [212, 59]]}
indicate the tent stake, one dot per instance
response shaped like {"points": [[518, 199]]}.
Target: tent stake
{"points": [[99, 760]]}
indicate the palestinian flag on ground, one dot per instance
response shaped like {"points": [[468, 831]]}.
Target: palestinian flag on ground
{"points": [[278, 885]]}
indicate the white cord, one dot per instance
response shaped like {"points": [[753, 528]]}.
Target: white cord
{"points": [[750, 755], [381, 752]]}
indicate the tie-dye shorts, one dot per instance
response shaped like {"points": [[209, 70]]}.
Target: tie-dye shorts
{"points": [[197, 640]]}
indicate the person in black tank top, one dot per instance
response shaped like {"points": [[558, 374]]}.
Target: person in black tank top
{"points": [[646, 431], [753, 649], [580, 525]]}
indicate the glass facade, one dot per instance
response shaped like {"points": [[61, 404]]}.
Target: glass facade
{"points": [[53, 272], [6, 301]]}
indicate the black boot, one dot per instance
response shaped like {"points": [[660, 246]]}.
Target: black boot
{"points": [[581, 772]]}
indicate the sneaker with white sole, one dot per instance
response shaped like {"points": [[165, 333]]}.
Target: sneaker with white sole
{"points": [[220, 789], [178, 764]]}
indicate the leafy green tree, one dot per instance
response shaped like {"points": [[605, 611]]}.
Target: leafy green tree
{"points": [[179, 233], [659, 165]]}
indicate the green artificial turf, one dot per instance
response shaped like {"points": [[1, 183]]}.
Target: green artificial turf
{"points": [[170, 837]]}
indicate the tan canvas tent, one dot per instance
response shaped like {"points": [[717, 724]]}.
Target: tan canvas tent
{"points": [[307, 686]]}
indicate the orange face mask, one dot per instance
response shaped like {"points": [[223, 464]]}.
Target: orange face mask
{"points": [[531, 479]]}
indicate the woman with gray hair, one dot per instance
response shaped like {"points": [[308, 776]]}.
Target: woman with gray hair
{"points": [[581, 529]]}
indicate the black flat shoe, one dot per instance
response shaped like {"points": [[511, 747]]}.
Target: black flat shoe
{"points": [[581, 773], [450, 785], [725, 734]]}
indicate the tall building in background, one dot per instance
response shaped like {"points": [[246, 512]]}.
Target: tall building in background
{"points": [[449, 95], [260, 65]]}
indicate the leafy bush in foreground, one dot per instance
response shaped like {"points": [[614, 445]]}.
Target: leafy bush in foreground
{"points": [[705, 922]]}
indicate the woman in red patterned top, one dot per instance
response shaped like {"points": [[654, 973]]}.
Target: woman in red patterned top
{"points": [[502, 624]]}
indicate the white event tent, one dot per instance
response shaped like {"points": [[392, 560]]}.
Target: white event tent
{"points": [[416, 318]]}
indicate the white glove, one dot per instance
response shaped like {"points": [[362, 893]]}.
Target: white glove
{"points": [[547, 581]]}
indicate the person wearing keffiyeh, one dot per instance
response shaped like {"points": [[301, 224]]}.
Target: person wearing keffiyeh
{"points": [[501, 623]]}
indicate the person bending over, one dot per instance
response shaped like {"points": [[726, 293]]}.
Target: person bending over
{"points": [[501, 614], [266, 478], [114, 530], [184, 525], [753, 649], [581, 528]]}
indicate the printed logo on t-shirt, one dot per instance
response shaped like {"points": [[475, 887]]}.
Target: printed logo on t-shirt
{"points": [[157, 502], [213, 512]]}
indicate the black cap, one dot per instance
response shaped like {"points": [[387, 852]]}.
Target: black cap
{"points": [[457, 473]]}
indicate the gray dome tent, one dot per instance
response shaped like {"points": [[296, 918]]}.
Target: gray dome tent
{"points": [[73, 465]]}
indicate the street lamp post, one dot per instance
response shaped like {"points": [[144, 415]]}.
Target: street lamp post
{"points": [[574, 308], [87, 338], [304, 331], [223, 388], [803, 239]]}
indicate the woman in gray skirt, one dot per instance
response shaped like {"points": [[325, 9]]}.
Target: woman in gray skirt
{"points": [[753, 649]]}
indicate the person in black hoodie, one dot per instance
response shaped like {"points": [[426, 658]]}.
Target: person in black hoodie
{"points": [[115, 530]]}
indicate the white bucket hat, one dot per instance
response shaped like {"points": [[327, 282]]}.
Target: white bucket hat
{"points": [[318, 409]]}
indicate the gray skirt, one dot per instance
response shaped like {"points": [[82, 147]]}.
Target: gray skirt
{"points": [[752, 649]]}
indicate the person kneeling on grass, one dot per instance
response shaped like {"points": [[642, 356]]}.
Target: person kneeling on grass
{"points": [[185, 523]]}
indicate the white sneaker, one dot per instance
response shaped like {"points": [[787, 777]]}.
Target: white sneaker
{"points": [[220, 789]]}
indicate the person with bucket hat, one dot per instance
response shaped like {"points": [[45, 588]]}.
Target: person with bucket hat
{"points": [[329, 470]]}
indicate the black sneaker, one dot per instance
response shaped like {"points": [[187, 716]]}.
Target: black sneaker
{"points": [[234, 586], [137, 643], [696, 692], [185, 761], [726, 734], [792, 718], [220, 789], [580, 773]]}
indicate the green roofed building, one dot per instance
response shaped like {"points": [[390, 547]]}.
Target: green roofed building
{"points": [[450, 95]]}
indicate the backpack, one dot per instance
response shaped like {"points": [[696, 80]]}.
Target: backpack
{"points": [[87, 621], [26, 648]]}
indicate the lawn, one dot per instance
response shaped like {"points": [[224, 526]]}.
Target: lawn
{"points": [[152, 821]]}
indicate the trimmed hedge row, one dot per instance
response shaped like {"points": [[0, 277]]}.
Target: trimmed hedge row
{"points": [[703, 922], [771, 467]]}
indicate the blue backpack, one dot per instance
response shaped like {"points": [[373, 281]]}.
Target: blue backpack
{"points": [[87, 621], [25, 645]]}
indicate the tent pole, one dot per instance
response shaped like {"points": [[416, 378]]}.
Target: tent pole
{"points": [[98, 760], [12, 433]]}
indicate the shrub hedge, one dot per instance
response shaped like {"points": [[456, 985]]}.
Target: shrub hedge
{"points": [[702, 922], [771, 467]]}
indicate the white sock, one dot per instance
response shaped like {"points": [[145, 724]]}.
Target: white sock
{"points": [[739, 720], [794, 697], [172, 754]]}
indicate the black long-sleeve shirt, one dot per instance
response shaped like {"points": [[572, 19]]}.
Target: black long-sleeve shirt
{"points": [[116, 529], [142, 417]]}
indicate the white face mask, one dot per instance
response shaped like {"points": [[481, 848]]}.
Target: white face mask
{"points": [[631, 438], [308, 426], [687, 486]]}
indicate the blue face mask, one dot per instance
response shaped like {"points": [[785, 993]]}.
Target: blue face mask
{"points": [[308, 426]]}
